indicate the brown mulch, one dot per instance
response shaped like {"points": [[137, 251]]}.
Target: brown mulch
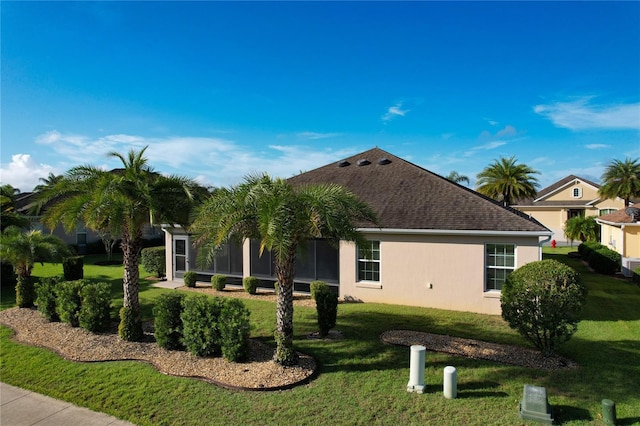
{"points": [[299, 299], [260, 372], [477, 349]]}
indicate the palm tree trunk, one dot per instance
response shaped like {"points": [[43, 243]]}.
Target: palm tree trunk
{"points": [[285, 354], [130, 328]]}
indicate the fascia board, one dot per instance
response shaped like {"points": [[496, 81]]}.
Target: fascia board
{"points": [[455, 232]]}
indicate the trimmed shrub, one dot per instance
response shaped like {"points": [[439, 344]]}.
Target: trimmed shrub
{"points": [[95, 306], [218, 282], [200, 315], [190, 279], [234, 330], [542, 300], [153, 260], [605, 261], [68, 301], [167, 321], [250, 284], [327, 308], [24, 292], [317, 286], [587, 247], [46, 298], [130, 327], [73, 268]]}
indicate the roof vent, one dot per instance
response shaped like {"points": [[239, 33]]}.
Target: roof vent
{"points": [[343, 163], [364, 162], [384, 161]]}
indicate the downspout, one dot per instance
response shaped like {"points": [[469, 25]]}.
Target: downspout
{"points": [[624, 246], [546, 240]]}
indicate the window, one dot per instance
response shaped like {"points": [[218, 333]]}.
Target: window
{"points": [[602, 212], [500, 262], [576, 192], [369, 262], [81, 235]]}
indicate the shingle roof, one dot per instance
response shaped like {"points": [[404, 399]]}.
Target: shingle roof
{"points": [[553, 187], [619, 216], [406, 196]]}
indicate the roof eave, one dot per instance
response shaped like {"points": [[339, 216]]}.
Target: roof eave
{"points": [[475, 232]]}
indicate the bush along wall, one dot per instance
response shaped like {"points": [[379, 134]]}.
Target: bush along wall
{"points": [[201, 334], [190, 279], [605, 261], [95, 307], [153, 260], [68, 301], [218, 282], [250, 284]]}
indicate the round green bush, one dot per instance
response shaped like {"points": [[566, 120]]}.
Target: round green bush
{"points": [[153, 260], [190, 279], [250, 284], [200, 328], [542, 300], [234, 330], [218, 282], [167, 321], [69, 301]]}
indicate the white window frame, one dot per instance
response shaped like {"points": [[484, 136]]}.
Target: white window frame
{"points": [[576, 192], [490, 264], [372, 260], [602, 212]]}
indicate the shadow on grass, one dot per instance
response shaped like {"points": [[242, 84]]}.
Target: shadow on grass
{"points": [[566, 413]]}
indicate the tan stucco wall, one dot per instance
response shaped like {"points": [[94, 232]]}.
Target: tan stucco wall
{"points": [[588, 193], [632, 241], [454, 266], [625, 240], [552, 218]]}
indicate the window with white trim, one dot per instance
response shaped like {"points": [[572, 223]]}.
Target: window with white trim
{"points": [[576, 192], [500, 261], [602, 212], [369, 262]]}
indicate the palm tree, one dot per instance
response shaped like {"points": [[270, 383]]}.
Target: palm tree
{"points": [[457, 177], [281, 217], [23, 249], [49, 181], [582, 228], [621, 179], [506, 181], [122, 202], [9, 215]]}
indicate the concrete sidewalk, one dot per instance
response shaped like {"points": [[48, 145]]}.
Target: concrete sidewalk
{"points": [[20, 407]]}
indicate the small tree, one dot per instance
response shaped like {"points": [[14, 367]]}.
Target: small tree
{"points": [[543, 300], [582, 228], [153, 260]]}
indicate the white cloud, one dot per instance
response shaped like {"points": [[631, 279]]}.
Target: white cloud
{"points": [[484, 147], [395, 111], [580, 114], [315, 135], [24, 172], [597, 146]]}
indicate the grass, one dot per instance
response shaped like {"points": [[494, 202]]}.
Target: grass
{"points": [[363, 381]]}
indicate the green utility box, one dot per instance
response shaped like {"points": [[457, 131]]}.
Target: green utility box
{"points": [[535, 406]]}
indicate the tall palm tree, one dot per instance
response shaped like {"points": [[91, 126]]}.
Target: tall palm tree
{"points": [[121, 201], [507, 181], [50, 180], [23, 249], [9, 215], [457, 177], [582, 228], [621, 179], [281, 217]]}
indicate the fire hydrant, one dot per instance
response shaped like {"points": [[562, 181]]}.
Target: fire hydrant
{"points": [[553, 243]]}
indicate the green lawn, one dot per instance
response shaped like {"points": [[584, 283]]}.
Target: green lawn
{"points": [[363, 381]]}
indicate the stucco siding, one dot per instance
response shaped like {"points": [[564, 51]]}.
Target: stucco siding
{"points": [[632, 241], [435, 271], [587, 192]]}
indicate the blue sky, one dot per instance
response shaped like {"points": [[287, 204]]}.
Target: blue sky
{"points": [[219, 90]]}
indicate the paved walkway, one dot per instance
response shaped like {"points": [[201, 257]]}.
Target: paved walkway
{"points": [[20, 407]]}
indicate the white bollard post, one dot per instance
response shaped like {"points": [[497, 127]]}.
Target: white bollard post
{"points": [[416, 371], [450, 382]]}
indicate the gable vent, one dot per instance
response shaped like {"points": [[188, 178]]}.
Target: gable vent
{"points": [[364, 162], [384, 161], [344, 163]]}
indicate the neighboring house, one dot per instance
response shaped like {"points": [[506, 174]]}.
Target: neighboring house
{"points": [[80, 237], [438, 244], [567, 198], [620, 231]]}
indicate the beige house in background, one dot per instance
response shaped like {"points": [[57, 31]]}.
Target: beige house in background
{"points": [[438, 244], [620, 231], [567, 198]]}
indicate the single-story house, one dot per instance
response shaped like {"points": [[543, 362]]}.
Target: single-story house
{"points": [[620, 231], [438, 244], [569, 197]]}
